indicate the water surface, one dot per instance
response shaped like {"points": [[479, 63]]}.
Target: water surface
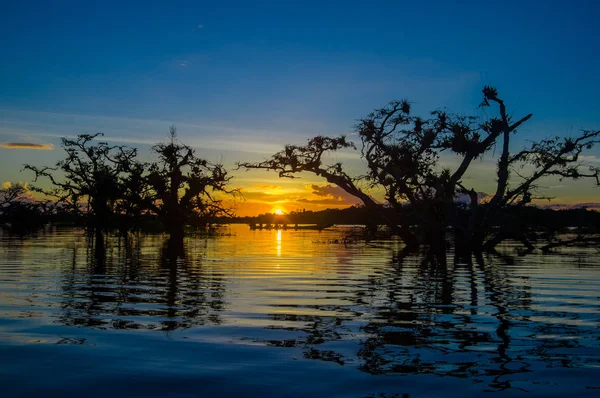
{"points": [[292, 313]]}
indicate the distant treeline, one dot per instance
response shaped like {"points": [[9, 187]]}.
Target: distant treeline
{"points": [[36, 214], [529, 217]]}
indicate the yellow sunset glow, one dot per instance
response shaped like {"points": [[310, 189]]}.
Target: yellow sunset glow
{"points": [[265, 194]]}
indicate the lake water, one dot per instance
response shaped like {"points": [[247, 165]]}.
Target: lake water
{"points": [[292, 313]]}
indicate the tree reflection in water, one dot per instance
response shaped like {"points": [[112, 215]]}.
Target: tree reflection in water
{"points": [[466, 317], [132, 289], [428, 317], [442, 316]]}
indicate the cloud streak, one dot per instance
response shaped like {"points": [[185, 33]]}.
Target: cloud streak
{"points": [[207, 136], [26, 145]]}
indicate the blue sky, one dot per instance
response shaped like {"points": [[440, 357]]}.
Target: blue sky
{"points": [[242, 79]]}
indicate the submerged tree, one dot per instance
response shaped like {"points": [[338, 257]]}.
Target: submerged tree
{"points": [[402, 154], [556, 156], [135, 200], [12, 194], [16, 209], [112, 190], [20, 211], [88, 180], [185, 188]]}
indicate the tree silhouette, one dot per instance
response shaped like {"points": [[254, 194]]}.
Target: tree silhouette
{"points": [[557, 156], [184, 187], [402, 154], [111, 189], [11, 194], [17, 210], [135, 199], [91, 176]]}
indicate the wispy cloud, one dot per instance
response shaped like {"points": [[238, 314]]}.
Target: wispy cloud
{"points": [[205, 136], [222, 136], [185, 64], [266, 186], [26, 145]]}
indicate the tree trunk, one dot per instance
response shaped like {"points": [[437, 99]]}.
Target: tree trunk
{"points": [[176, 230]]}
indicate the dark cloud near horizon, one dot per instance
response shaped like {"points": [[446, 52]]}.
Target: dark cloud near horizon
{"points": [[26, 145], [332, 195], [325, 201], [465, 198], [560, 206]]}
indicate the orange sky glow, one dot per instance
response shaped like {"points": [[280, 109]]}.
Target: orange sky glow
{"points": [[264, 192], [288, 196]]}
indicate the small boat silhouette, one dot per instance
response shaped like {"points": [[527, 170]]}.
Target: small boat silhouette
{"points": [[314, 227]]}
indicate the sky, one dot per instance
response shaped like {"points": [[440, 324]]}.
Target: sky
{"points": [[242, 79]]}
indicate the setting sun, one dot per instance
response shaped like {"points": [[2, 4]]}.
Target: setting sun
{"points": [[278, 212]]}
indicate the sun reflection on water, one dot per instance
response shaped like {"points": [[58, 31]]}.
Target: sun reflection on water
{"points": [[279, 242]]}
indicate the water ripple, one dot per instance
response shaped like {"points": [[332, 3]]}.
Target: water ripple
{"points": [[361, 308]]}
